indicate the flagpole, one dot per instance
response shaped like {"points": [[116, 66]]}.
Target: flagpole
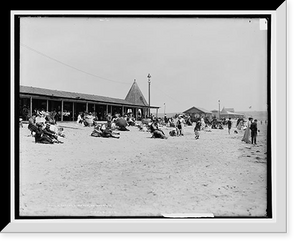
{"points": [[149, 76]]}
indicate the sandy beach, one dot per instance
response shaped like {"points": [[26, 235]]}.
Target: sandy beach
{"points": [[140, 176]]}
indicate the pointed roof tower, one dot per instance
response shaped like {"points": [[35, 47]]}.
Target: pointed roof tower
{"points": [[135, 95]]}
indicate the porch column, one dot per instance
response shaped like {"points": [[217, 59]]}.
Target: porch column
{"points": [[62, 110], [122, 110], [106, 110], [30, 106], [73, 113], [87, 107], [157, 113], [47, 105]]}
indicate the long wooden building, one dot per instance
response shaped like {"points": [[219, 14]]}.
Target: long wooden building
{"points": [[69, 104]]}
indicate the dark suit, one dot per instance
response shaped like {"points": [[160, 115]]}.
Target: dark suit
{"points": [[253, 128]]}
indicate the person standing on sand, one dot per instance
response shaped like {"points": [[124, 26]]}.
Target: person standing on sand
{"points": [[109, 120], [197, 129], [253, 128], [229, 124], [246, 137], [202, 123], [180, 125]]}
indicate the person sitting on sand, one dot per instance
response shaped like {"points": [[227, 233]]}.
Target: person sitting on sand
{"points": [[153, 126], [60, 132], [79, 118], [31, 124], [101, 131], [40, 118], [131, 121], [142, 127], [51, 134], [173, 133], [156, 132], [159, 134], [40, 136], [89, 120]]}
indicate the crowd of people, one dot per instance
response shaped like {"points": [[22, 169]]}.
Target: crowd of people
{"points": [[116, 122], [44, 129]]}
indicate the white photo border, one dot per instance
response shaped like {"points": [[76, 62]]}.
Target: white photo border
{"points": [[276, 224]]}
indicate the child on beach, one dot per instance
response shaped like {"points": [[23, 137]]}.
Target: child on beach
{"points": [[197, 129]]}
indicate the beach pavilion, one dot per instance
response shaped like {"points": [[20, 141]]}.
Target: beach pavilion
{"points": [[229, 113], [69, 104], [197, 112]]}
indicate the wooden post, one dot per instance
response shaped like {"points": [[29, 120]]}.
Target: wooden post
{"points": [[73, 113], [30, 106], [62, 111], [87, 107], [122, 110], [136, 111], [47, 105]]}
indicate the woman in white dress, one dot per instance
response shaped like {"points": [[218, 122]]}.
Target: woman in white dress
{"points": [[202, 123], [246, 137]]}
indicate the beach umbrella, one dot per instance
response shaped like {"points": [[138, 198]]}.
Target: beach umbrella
{"points": [[121, 122]]}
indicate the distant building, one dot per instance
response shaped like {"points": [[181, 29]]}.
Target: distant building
{"points": [[229, 113], [197, 112], [215, 113]]}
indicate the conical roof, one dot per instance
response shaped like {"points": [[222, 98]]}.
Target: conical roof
{"points": [[135, 95]]}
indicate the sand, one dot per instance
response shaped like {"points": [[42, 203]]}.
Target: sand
{"points": [[140, 176]]}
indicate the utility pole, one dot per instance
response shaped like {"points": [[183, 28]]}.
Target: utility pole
{"points": [[149, 76], [219, 108]]}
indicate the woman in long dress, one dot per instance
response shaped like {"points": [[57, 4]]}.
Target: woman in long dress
{"points": [[202, 123], [239, 124], [246, 137]]}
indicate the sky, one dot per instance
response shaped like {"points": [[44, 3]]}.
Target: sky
{"points": [[192, 61]]}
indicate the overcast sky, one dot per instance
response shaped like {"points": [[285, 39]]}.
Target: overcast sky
{"points": [[192, 61]]}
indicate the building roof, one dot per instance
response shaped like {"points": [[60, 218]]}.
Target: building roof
{"points": [[202, 110], [135, 95], [231, 113], [74, 95], [228, 110]]}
